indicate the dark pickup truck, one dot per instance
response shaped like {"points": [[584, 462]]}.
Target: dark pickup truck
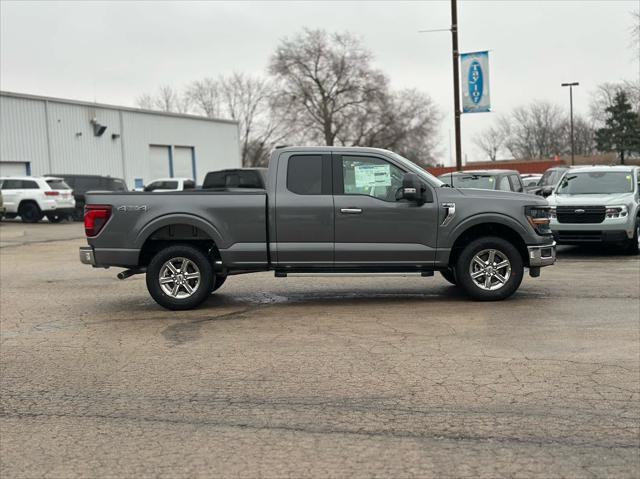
{"points": [[324, 209]]}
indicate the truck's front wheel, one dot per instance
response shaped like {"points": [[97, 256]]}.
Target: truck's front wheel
{"points": [[180, 277], [489, 269]]}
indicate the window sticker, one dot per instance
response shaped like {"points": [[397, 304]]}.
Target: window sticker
{"points": [[368, 176]]}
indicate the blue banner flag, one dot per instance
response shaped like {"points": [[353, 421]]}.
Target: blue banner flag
{"points": [[475, 82]]}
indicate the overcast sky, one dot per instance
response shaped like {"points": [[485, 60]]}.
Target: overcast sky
{"points": [[114, 51]]}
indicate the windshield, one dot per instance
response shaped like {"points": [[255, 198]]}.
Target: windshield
{"points": [[410, 165], [596, 182], [483, 182]]}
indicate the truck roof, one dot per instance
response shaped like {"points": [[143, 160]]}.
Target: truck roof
{"points": [[603, 168], [344, 149]]}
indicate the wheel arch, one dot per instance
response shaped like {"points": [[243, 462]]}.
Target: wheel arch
{"points": [[174, 229], [479, 227]]}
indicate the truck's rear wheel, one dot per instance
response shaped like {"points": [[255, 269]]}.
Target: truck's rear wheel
{"points": [[180, 277], [489, 269]]}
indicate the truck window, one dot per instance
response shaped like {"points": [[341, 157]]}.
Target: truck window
{"points": [[516, 184], [362, 175], [304, 174], [503, 184]]}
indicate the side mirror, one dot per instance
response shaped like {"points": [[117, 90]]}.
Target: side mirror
{"points": [[412, 188], [546, 191]]}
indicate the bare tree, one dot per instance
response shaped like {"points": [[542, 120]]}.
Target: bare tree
{"points": [[535, 130], [583, 136], [250, 101], [491, 141], [405, 122], [326, 78], [167, 99], [205, 96], [335, 96]]}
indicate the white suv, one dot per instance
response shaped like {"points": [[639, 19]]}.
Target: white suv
{"points": [[597, 204], [170, 184], [31, 198]]}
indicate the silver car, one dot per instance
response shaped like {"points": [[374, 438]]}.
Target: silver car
{"points": [[597, 204]]}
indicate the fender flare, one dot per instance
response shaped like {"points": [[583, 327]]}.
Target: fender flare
{"points": [[174, 219], [483, 218]]}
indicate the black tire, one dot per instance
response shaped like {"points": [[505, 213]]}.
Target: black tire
{"points": [[450, 276], [632, 245], [30, 212], [504, 250], [218, 282], [177, 253], [54, 218]]}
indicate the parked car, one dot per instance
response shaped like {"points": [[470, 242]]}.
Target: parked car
{"points": [[31, 198], [236, 178], [504, 180], [530, 181], [170, 184], [80, 184], [2, 208], [325, 209], [597, 204], [549, 180]]}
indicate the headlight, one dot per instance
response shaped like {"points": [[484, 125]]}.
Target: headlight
{"points": [[552, 212], [539, 217], [616, 211]]}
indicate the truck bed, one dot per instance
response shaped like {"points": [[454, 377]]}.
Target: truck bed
{"points": [[234, 219]]}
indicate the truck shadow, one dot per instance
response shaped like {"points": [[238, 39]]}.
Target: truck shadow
{"points": [[591, 251]]}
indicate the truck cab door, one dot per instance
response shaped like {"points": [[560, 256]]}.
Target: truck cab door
{"points": [[304, 211], [372, 227]]}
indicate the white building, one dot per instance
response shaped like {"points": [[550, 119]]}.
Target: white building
{"points": [[40, 135]]}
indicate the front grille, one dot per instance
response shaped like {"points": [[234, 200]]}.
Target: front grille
{"points": [[580, 214]]}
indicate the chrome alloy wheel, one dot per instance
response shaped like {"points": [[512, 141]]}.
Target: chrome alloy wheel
{"points": [[179, 278], [490, 269]]}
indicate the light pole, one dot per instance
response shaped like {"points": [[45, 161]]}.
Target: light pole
{"points": [[573, 145]]}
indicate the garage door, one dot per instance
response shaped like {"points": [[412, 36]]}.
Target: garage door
{"points": [[158, 162], [14, 168], [183, 162]]}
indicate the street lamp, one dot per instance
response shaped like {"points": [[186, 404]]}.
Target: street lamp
{"points": [[573, 146]]}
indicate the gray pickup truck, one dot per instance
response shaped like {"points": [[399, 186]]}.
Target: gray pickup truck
{"points": [[324, 209]]}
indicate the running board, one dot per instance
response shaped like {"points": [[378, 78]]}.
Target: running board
{"points": [[335, 274]]}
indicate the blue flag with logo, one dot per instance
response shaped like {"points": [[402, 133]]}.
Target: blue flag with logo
{"points": [[475, 82]]}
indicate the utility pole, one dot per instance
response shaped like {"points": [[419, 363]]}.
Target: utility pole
{"points": [[573, 144], [456, 78], [456, 82]]}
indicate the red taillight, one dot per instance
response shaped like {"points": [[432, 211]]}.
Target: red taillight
{"points": [[51, 193], [95, 217]]}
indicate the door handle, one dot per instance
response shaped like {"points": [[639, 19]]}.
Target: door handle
{"points": [[350, 211]]}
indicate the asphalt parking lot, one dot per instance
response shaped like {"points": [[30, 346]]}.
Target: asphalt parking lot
{"points": [[315, 377]]}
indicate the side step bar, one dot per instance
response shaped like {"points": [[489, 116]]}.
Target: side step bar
{"points": [[335, 274]]}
